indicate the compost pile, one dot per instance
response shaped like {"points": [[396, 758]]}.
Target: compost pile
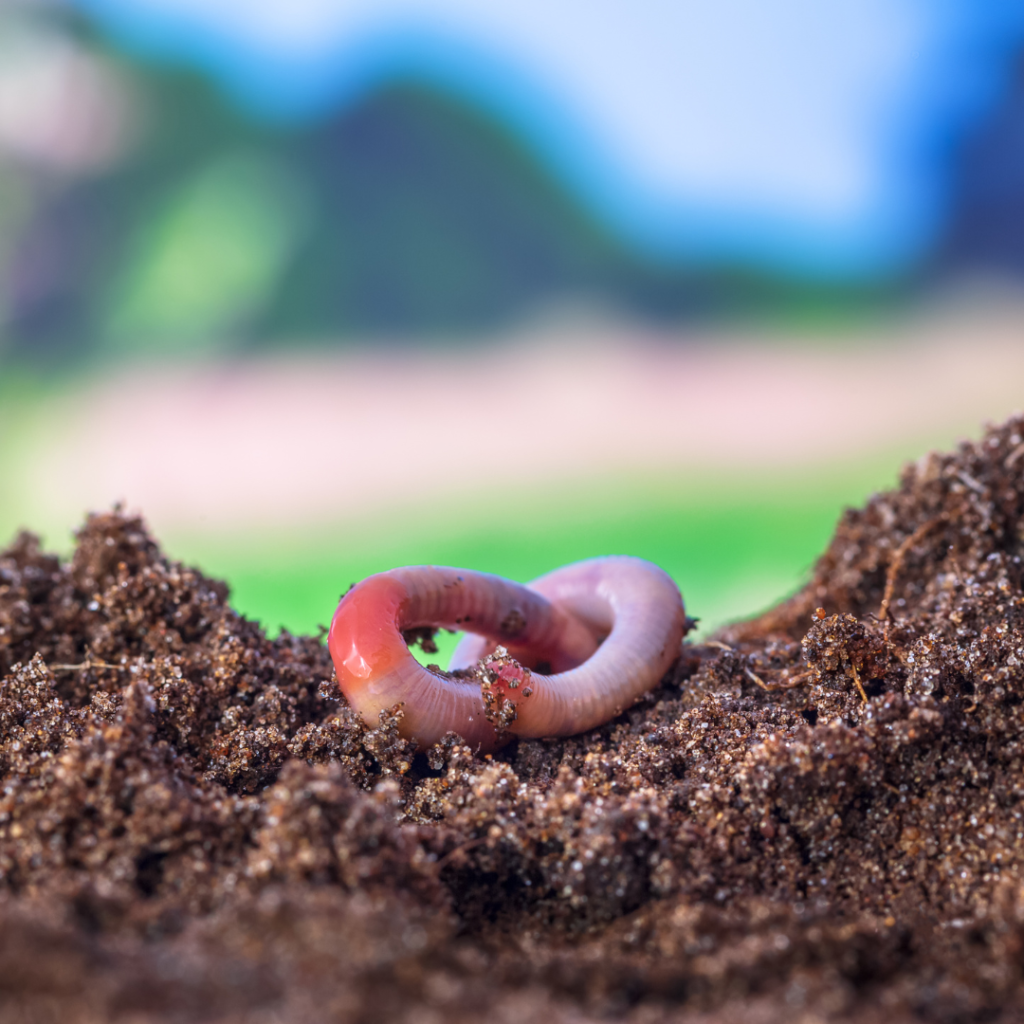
{"points": [[817, 815]]}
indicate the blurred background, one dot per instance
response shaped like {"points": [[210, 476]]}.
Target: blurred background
{"points": [[326, 286]]}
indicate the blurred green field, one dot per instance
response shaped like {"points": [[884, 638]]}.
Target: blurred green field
{"points": [[735, 546], [735, 541]]}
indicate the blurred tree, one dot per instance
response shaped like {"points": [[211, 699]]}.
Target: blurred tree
{"points": [[409, 215], [985, 234], [209, 261]]}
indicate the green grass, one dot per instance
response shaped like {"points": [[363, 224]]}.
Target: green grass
{"points": [[21, 404]]}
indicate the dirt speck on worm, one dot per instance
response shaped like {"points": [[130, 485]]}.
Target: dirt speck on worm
{"points": [[818, 815]]}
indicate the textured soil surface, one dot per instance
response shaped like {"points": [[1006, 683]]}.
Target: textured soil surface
{"points": [[817, 815]]}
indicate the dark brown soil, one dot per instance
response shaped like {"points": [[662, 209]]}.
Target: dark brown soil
{"points": [[818, 815]]}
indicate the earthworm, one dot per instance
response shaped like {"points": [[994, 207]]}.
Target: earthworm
{"points": [[578, 646]]}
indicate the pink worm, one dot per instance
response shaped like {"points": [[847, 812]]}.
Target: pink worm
{"points": [[607, 628]]}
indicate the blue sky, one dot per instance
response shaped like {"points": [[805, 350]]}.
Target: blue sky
{"points": [[805, 135]]}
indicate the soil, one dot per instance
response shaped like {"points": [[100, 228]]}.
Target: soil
{"points": [[817, 815]]}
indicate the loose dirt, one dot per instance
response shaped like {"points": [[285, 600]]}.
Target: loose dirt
{"points": [[818, 815]]}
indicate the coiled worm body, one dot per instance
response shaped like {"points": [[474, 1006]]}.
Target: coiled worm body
{"points": [[582, 643]]}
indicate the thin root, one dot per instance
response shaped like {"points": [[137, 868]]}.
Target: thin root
{"points": [[894, 568], [787, 684], [84, 665], [858, 684], [1014, 456], [458, 852], [719, 645]]}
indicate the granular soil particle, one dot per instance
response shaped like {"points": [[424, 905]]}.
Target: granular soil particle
{"points": [[818, 814]]}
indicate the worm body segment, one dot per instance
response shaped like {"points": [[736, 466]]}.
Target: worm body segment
{"points": [[582, 642]]}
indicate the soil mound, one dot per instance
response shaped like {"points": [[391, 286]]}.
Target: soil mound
{"points": [[817, 815]]}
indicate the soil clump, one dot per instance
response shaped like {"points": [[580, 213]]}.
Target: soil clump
{"points": [[818, 814]]}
